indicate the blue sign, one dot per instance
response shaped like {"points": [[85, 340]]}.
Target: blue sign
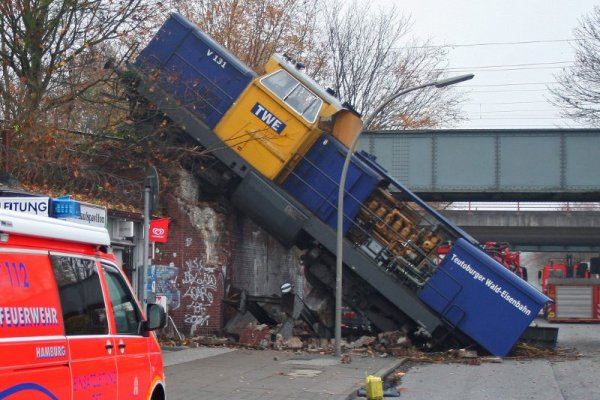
{"points": [[268, 118]]}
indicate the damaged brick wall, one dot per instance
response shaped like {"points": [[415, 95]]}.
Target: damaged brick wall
{"points": [[261, 264], [191, 268], [208, 250]]}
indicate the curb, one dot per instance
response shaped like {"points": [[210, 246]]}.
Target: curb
{"points": [[382, 372]]}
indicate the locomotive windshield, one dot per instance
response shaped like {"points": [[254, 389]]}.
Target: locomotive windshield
{"points": [[294, 94]]}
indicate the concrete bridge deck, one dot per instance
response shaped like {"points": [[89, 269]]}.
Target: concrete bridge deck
{"points": [[533, 230]]}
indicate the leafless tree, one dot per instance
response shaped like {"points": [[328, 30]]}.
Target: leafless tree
{"points": [[578, 93], [255, 29], [371, 59], [58, 103], [49, 50]]}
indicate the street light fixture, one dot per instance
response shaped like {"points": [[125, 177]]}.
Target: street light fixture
{"points": [[340, 208]]}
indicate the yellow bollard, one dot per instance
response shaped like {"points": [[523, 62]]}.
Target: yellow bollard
{"points": [[374, 387]]}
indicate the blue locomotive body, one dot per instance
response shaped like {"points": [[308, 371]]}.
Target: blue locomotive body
{"points": [[200, 73]]}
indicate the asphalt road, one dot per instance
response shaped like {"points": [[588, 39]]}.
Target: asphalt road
{"points": [[538, 379]]}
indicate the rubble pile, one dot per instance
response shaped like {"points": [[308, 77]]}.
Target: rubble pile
{"points": [[526, 351], [392, 344], [261, 336]]}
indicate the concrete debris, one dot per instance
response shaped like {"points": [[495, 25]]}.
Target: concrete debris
{"points": [[254, 335], [345, 359], [294, 343], [385, 344], [394, 338], [396, 376], [464, 353], [364, 341], [403, 351], [278, 342]]}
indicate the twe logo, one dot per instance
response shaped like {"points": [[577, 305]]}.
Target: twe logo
{"points": [[268, 118]]}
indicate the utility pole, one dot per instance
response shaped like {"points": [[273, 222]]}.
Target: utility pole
{"points": [[150, 204]]}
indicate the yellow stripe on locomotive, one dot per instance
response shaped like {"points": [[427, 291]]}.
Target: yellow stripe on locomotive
{"points": [[276, 119]]}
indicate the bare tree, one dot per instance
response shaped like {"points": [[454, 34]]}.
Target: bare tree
{"points": [[255, 29], [46, 48], [372, 59], [578, 93], [60, 108]]}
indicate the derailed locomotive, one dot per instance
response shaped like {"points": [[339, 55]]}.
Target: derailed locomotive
{"points": [[282, 139]]}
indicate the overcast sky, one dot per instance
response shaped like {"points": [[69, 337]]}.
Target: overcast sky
{"points": [[486, 38]]}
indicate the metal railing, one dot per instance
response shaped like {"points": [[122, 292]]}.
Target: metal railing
{"points": [[523, 206]]}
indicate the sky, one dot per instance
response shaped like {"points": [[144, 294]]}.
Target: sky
{"points": [[515, 48]]}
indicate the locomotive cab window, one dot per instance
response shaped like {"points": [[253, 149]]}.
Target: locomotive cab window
{"points": [[294, 94]]}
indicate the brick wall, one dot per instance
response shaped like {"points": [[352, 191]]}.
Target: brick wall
{"points": [[206, 251], [192, 266]]}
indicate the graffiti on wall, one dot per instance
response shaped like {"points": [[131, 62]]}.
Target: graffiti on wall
{"points": [[166, 285], [201, 285], [194, 291]]}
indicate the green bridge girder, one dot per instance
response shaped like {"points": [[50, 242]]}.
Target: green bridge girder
{"points": [[492, 164]]}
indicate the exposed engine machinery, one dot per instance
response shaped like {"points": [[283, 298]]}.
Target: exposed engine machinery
{"points": [[394, 234]]}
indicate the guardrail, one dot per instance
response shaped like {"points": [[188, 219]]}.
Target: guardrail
{"points": [[523, 206]]}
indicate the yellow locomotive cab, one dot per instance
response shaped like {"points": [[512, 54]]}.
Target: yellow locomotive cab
{"points": [[276, 119]]}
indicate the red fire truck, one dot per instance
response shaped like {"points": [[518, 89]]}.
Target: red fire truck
{"points": [[574, 288], [70, 325]]}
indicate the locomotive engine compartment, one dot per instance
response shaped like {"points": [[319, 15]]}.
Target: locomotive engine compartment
{"points": [[398, 237]]}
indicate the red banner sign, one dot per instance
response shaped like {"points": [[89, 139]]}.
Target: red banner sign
{"points": [[159, 230]]}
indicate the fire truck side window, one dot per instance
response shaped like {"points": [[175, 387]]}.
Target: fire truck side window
{"points": [[127, 316], [81, 299]]}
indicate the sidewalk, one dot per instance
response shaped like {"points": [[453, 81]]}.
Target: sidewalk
{"points": [[222, 373]]}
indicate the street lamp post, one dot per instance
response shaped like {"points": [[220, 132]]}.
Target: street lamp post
{"points": [[340, 207]]}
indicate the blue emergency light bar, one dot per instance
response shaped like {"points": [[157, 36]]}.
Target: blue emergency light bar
{"points": [[65, 207]]}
